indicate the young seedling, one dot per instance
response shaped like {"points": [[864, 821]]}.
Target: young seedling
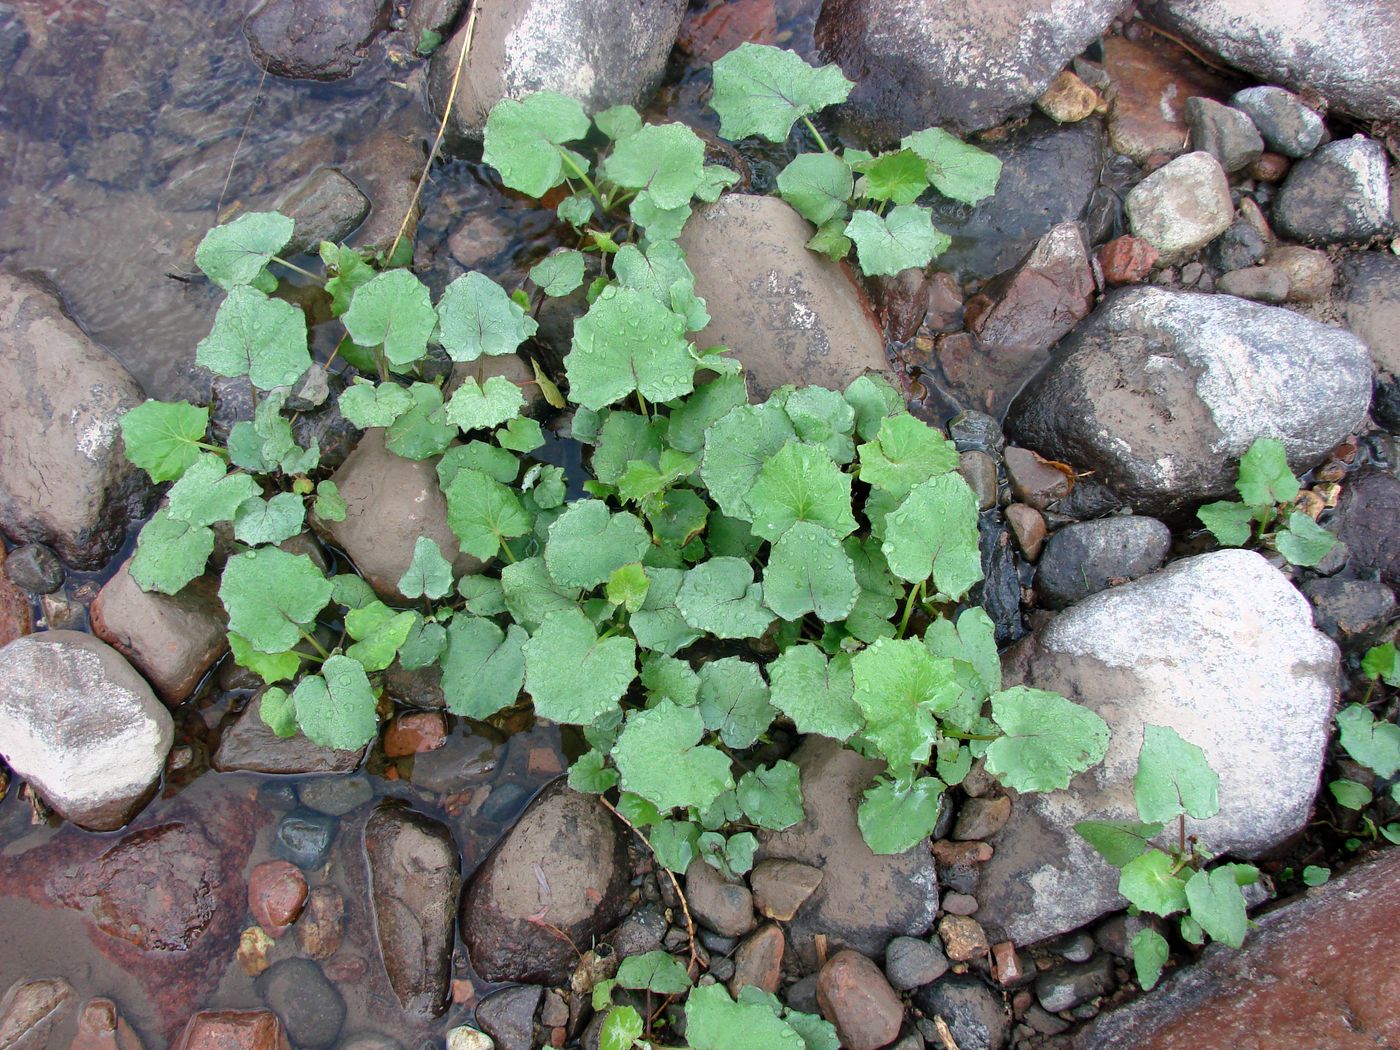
{"points": [[1267, 512]]}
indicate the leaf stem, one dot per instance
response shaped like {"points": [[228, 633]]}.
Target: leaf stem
{"points": [[579, 173], [816, 134], [953, 734], [297, 269], [641, 401], [212, 448], [505, 549], [909, 604], [314, 644]]}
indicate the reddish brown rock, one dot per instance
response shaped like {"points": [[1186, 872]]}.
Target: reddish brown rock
{"points": [[1269, 167], [780, 887], [1317, 973], [1151, 80], [16, 616], [322, 924], [414, 733], [856, 998], [719, 29], [276, 893], [901, 302], [233, 1030], [1028, 526], [1127, 260], [100, 1027], [1035, 481], [759, 960], [963, 937]]}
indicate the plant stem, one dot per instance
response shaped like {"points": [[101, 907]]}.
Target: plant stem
{"points": [[1181, 833], [212, 448], [314, 644], [505, 549], [909, 604], [643, 403], [297, 269], [953, 734], [582, 175], [816, 134]]}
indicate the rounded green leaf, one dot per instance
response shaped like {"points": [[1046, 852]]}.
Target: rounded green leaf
{"points": [[772, 795], [162, 437], [956, 169], [1218, 904], [374, 405], [894, 819], [1303, 541], [235, 253], [1151, 883], [588, 542], [207, 493], [800, 483], [483, 513], [816, 693], [933, 532], [720, 597], [1150, 951], [559, 273], [899, 686], [905, 452], [1048, 740], [818, 185], [170, 553], [262, 338], [269, 521], [809, 571], [571, 674], [530, 595], [763, 90], [899, 176], [477, 317], [395, 311], [628, 342], [1229, 522], [666, 160], [522, 140], [904, 238], [659, 625], [429, 574], [1375, 744], [657, 971], [714, 1021], [270, 595], [483, 667], [1173, 777], [736, 448], [278, 712], [733, 701], [483, 406], [659, 758], [1266, 478], [337, 707]]}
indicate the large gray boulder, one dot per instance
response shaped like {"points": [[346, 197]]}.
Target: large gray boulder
{"points": [[602, 52], [1346, 50], [1161, 392], [789, 314], [63, 478], [1220, 647], [918, 63], [82, 727]]}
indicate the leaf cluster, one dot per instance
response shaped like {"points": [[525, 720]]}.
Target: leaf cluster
{"points": [[1266, 509]]}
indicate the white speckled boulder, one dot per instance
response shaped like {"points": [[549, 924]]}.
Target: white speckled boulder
{"points": [[82, 727], [1161, 392], [1220, 647]]}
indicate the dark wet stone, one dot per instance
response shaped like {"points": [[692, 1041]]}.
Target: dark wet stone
{"points": [[34, 568], [1239, 246], [641, 932], [999, 592], [1089, 499], [305, 838], [1354, 612], [973, 1012], [1340, 194], [1370, 522], [277, 795], [1088, 557], [725, 906], [335, 796], [976, 432], [250, 744], [1226, 134], [1369, 298], [310, 1007], [508, 1017], [314, 39], [1065, 987], [911, 962], [326, 206], [505, 801]]}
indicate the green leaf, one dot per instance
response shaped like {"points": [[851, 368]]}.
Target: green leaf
{"points": [[800, 483], [429, 574], [933, 531], [483, 513], [522, 434], [352, 591], [1303, 541], [576, 210], [675, 843], [772, 795], [625, 438], [905, 453], [1048, 740], [818, 185], [235, 253], [1265, 476], [530, 595], [716, 179], [1173, 777], [587, 542], [1218, 905], [269, 521], [557, 274], [1150, 883], [618, 121], [270, 595], [737, 448], [720, 597], [899, 177], [887, 244], [659, 757], [162, 437], [483, 667], [894, 819], [337, 707], [262, 338], [973, 641], [659, 972], [808, 571], [714, 1021], [831, 240], [1313, 875], [667, 678], [278, 712], [822, 417], [627, 586], [481, 407], [1118, 841], [816, 1033], [661, 271], [709, 403], [523, 138], [763, 90], [379, 632], [817, 694], [873, 399], [659, 224], [590, 774], [659, 625], [1382, 661], [350, 272], [207, 493], [571, 674], [1150, 952], [628, 342], [733, 701], [666, 160], [898, 687], [497, 463], [477, 317], [424, 645], [1229, 522], [329, 505], [270, 667], [1351, 795], [1372, 742], [170, 553], [394, 310], [956, 169]]}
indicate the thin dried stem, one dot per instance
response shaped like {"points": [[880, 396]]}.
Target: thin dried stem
{"points": [[685, 908]]}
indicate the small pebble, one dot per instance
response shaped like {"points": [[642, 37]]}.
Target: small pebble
{"points": [[911, 963], [304, 838], [34, 568], [963, 938], [981, 818], [958, 904]]}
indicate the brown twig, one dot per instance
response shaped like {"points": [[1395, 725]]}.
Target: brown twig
{"points": [[945, 1035], [442, 126], [685, 908]]}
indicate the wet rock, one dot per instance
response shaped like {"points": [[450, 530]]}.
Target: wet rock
{"points": [[433, 16], [321, 927], [864, 899], [976, 432], [309, 1006], [509, 1017], [963, 938], [856, 998], [16, 616], [565, 861], [1034, 481], [999, 593], [901, 301], [314, 39], [919, 63], [34, 568], [722, 905], [1127, 260], [911, 962], [31, 1010], [780, 887], [414, 733], [276, 893], [789, 314], [1345, 49], [1352, 612], [1310, 272], [1151, 80], [1065, 987], [603, 53], [1028, 526], [249, 743], [63, 478], [172, 639], [959, 904], [1268, 168], [234, 1030], [1340, 194], [386, 167], [466, 759], [414, 878], [1284, 121], [305, 838], [1225, 133], [1369, 511], [1262, 284], [391, 502], [1068, 99], [758, 961], [1159, 393], [101, 1027], [980, 818], [979, 470], [1048, 174], [1219, 647], [1091, 556], [254, 947], [81, 727], [326, 206], [973, 1012], [335, 796], [1241, 245], [1182, 206], [1368, 296]]}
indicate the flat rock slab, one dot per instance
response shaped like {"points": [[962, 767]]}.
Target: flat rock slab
{"points": [[1219, 647], [1317, 973]]}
